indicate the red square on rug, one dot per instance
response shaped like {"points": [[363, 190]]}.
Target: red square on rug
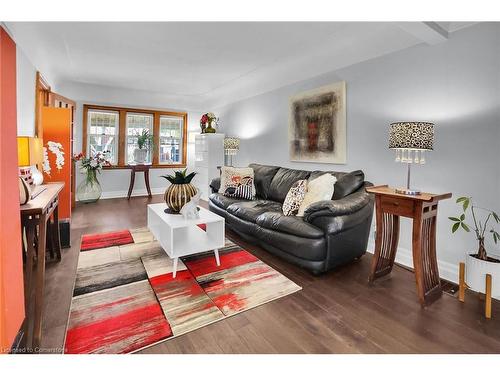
{"points": [[98, 241]]}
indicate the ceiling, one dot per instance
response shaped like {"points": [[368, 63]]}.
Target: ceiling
{"points": [[210, 64]]}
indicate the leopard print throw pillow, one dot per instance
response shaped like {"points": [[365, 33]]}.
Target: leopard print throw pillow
{"points": [[294, 198]]}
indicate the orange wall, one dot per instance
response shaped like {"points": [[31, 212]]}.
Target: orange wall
{"points": [[11, 265]]}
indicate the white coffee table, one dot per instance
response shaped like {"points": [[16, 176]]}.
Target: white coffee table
{"points": [[180, 237]]}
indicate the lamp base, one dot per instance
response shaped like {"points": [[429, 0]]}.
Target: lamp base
{"points": [[406, 191]]}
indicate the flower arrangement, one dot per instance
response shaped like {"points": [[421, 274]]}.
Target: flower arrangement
{"points": [[206, 122], [93, 163]]}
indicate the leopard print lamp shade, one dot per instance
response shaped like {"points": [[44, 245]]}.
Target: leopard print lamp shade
{"points": [[411, 135]]}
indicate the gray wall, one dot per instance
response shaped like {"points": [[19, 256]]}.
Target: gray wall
{"points": [[454, 84]]}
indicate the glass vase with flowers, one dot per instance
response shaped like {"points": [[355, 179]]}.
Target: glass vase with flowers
{"points": [[89, 190]]}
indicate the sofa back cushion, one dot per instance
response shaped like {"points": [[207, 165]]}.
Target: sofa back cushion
{"points": [[348, 184], [263, 175], [283, 181]]}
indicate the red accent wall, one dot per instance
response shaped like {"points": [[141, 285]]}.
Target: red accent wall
{"points": [[11, 264]]}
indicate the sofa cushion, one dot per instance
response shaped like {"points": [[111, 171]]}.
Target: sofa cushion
{"points": [[288, 224], [222, 201], [283, 181], [263, 175], [251, 210], [348, 184]]}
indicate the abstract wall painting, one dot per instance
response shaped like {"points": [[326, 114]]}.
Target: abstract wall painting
{"points": [[317, 125]]}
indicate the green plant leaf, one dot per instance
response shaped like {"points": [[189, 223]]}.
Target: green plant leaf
{"points": [[495, 216], [453, 218], [462, 217], [461, 199], [466, 203], [465, 227], [455, 227]]}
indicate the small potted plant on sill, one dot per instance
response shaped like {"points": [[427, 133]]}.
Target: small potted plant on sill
{"points": [[478, 264], [180, 190], [144, 143]]}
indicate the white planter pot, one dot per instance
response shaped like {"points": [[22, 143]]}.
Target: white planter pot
{"points": [[140, 155], [475, 275]]}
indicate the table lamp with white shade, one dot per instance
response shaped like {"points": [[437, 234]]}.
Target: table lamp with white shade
{"points": [[231, 148], [411, 140]]}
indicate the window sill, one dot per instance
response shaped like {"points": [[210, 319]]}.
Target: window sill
{"points": [[156, 166]]}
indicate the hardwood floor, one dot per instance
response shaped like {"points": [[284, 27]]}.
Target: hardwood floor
{"points": [[333, 313]]}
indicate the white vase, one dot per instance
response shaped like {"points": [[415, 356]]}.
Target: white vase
{"points": [[475, 275], [140, 155]]}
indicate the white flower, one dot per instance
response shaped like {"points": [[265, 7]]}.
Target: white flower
{"points": [[94, 163], [46, 164], [57, 149]]}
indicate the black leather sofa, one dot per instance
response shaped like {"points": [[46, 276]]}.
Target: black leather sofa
{"points": [[331, 233]]}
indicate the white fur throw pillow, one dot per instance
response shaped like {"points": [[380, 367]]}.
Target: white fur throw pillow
{"points": [[237, 182], [319, 189]]}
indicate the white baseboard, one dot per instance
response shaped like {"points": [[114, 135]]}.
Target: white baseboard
{"points": [[135, 193], [447, 271]]}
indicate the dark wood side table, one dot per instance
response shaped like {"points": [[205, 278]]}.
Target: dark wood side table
{"points": [[139, 168], [36, 221], [423, 210]]}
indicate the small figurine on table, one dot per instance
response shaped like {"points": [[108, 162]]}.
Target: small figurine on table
{"points": [[190, 209]]}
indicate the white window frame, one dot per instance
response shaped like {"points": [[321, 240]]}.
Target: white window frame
{"points": [[114, 159], [181, 138]]}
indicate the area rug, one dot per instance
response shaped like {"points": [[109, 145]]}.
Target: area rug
{"points": [[126, 299]]}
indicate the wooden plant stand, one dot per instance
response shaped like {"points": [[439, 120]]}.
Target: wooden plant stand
{"points": [[462, 285]]}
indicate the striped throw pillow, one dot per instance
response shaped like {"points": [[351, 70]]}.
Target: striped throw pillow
{"points": [[237, 183]]}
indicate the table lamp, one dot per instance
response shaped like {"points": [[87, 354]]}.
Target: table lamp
{"points": [[231, 148], [30, 154], [411, 140]]}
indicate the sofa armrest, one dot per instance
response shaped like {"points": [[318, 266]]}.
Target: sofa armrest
{"points": [[345, 206], [215, 185]]}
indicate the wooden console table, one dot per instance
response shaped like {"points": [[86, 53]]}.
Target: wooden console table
{"points": [[423, 210], [139, 168], [35, 219]]}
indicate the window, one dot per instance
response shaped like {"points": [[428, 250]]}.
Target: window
{"points": [[116, 130], [171, 139], [103, 134], [137, 123]]}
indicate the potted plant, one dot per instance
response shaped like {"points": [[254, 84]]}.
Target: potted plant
{"points": [[478, 264], [89, 190], [144, 142], [180, 190], [206, 122]]}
